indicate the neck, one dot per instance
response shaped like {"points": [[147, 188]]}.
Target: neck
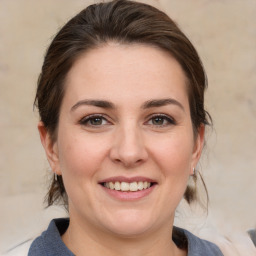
{"points": [[86, 240]]}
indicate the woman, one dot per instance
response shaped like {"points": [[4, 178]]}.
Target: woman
{"points": [[121, 103]]}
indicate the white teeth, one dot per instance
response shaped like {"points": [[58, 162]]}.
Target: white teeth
{"points": [[133, 186], [125, 186], [111, 185], [117, 185], [140, 185]]}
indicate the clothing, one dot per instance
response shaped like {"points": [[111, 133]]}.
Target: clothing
{"points": [[50, 243], [252, 234]]}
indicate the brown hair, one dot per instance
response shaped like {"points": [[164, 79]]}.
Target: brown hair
{"points": [[125, 22]]}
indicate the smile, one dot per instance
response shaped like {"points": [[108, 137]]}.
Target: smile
{"points": [[128, 186]]}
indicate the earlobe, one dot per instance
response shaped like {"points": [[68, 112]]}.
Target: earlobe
{"points": [[50, 148], [198, 147]]}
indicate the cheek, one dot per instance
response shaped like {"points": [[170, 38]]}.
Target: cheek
{"points": [[174, 154], [80, 155], [79, 162]]}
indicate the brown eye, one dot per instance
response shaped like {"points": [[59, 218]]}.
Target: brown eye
{"points": [[96, 120], [158, 120], [161, 120]]}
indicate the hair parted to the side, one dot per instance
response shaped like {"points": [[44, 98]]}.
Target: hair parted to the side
{"points": [[125, 22]]}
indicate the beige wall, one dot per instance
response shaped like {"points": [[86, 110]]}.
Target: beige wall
{"points": [[224, 33]]}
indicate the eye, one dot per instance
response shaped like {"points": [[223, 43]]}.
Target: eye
{"points": [[94, 120], [161, 120]]}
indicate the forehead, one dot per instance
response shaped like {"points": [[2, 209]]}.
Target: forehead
{"points": [[119, 71]]}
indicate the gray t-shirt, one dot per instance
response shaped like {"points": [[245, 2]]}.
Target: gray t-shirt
{"points": [[50, 242]]}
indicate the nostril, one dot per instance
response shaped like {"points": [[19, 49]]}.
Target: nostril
{"points": [[128, 161], [118, 161], [128, 148]]}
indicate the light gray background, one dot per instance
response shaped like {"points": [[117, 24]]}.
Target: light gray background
{"points": [[224, 34]]}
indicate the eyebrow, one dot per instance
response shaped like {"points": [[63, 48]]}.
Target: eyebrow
{"points": [[161, 102], [96, 103], [109, 105]]}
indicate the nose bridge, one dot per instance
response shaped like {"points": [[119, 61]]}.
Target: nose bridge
{"points": [[128, 146]]}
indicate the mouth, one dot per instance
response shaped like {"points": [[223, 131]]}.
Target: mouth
{"points": [[123, 186], [128, 188]]}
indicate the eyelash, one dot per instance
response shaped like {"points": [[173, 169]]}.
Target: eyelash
{"points": [[168, 119], [85, 120]]}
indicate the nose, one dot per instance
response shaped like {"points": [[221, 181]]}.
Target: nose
{"points": [[128, 147]]}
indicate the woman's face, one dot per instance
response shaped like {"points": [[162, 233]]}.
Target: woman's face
{"points": [[125, 146]]}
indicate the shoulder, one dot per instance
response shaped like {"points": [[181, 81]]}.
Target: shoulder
{"points": [[50, 242], [38, 247], [198, 246]]}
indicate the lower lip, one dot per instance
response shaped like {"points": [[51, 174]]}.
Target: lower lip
{"points": [[128, 196]]}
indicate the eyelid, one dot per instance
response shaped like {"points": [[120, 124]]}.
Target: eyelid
{"points": [[170, 120], [85, 119]]}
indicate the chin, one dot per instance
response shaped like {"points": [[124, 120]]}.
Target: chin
{"points": [[130, 225], [129, 231]]}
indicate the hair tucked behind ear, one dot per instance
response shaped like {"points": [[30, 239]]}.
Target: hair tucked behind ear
{"points": [[57, 193], [191, 193]]}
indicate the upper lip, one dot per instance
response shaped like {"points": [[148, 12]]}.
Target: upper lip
{"points": [[127, 179]]}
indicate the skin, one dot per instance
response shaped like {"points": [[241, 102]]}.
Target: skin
{"points": [[126, 140]]}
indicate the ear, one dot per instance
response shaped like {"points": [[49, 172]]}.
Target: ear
{"points": [[50, 147], [198, 147]]}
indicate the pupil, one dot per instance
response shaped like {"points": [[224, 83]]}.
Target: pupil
{"points": [[158, 120], [96, 121]]}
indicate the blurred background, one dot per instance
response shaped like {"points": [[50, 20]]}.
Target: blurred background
{"points": [[224, 34]]}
